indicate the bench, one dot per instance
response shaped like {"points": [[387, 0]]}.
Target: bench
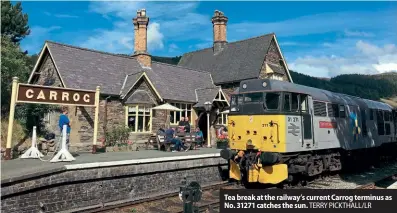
{"points": [[164, 146], [191, 139]]}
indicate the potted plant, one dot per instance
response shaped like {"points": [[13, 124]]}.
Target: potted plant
{"points": [[222, 142]]}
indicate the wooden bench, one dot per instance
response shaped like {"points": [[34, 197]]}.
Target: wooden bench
{"points": [[191, 139], [164, 146]]}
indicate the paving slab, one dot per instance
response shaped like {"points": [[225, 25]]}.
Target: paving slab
{"points": [[26, 168]]}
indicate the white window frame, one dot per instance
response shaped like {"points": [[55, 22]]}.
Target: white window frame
{"points": [[221, 116], [174, 113], [147, 113]]}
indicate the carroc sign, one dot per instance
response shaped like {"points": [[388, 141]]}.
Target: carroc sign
{"points": [[28, 93]]}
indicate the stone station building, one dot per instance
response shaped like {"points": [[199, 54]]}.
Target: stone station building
{"points": [[132, 85]]}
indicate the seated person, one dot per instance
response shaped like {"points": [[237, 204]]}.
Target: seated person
{"points": [[170, 137], [161, 131], [199, 136], [187, 125]]}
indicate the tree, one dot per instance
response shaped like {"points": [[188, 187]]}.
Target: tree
{"points": [[14, 23], [13, 63]]}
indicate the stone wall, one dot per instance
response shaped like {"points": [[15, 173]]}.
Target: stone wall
{"points": [[49, 76], [73, 189]]}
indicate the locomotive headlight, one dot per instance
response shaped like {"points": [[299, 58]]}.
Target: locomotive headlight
{"points": [[249, 142], [244, 86], [264, 84]]}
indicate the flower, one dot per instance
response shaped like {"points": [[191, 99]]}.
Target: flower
{"points": [[130, 142]]}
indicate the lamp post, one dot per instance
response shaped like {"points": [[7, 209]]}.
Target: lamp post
{"points": [[208, 106]]}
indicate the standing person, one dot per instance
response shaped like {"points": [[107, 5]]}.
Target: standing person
{"points": [[64, 120]]}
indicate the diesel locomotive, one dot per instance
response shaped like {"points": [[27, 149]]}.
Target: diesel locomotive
{"points": [[279, 130]]}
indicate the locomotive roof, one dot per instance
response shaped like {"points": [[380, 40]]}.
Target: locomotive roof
{"points": [[317, 94]]}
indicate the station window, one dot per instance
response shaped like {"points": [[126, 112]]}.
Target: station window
{"points": [[222, 119], [320, 108], [175, 116], [139, 118]]}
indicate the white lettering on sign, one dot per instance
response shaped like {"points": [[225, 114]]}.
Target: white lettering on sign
{"points": [[29, 93], [86, 98], [65, 96], [41, 95], [76, 97], [53, 95]]}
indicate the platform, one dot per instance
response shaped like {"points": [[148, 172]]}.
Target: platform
{"points": [[17, 169]]}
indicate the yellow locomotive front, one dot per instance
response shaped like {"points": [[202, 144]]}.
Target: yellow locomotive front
{"points": [[257, 133]]}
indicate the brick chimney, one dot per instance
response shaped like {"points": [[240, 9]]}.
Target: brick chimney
{"points": [[141, 22], [219, 21]]}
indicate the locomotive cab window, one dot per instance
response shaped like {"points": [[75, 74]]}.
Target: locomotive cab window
{"points": [[272, 101], [235, 100], [287, 102], [342, 111], [253, 97]]}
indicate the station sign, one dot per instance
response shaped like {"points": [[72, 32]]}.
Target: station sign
{"points": [[28, 93]]}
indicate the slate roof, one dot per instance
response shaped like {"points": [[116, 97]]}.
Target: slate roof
{"points": [[140, 97], [178, 83], [206, 94], [85, 69], [129, 81], [238, 60]]}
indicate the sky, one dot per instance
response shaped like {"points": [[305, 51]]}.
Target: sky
{"points": [[321, 39]]}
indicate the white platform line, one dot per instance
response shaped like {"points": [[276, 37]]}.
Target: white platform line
{"points": [[138, 161]]}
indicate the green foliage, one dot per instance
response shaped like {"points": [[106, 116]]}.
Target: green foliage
{"points": [[167, 60], [117, 135], [371, 87], [13, 63], [14, 23], [18, 133]]}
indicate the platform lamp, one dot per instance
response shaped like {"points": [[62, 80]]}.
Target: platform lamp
{"points": [[208, 106]]}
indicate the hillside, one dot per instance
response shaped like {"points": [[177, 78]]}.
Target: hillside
{"points": [[374, 87]]}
